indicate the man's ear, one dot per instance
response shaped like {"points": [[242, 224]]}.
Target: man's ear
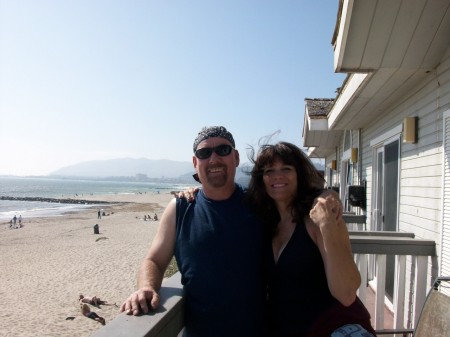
{"points": [[236, 154]]}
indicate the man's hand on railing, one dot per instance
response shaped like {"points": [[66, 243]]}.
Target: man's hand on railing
{"points": [[138, 302]]}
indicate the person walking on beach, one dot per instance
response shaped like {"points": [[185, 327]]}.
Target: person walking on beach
{"points": [[14, 221], [219, 247], [99, 215]]}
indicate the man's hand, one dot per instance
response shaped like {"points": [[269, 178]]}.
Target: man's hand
{"points": [[138, 302]]}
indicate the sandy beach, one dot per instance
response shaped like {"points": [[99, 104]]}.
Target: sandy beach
{"points": [[50, 261]]}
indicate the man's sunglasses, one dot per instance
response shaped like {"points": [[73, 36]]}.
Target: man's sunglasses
{"points": [[206, 152]]}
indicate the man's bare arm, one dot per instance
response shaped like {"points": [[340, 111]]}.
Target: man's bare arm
{"points": [[151, 272]]}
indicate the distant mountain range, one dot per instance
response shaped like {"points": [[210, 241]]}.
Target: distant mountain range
{"points": [[141, 169], [127, 167]]}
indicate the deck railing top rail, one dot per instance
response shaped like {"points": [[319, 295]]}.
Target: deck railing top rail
{"points": [[390, 243], [382, 233], [166, 321]]}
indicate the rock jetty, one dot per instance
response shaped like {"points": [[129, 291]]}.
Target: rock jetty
{"points": [[58, 200]]}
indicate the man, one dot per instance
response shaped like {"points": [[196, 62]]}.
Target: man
{"points": [[218, 244]]}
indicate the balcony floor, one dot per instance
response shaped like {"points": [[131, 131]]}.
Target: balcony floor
{"points": [[388, 314]]}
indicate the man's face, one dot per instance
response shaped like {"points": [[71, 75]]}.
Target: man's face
{"points": [[216, 171]]}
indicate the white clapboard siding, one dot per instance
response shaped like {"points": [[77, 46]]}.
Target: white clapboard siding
{"points": [[445, 254]]}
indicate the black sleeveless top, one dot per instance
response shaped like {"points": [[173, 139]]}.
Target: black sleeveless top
{"points": [[300, 303], [219, 251]]}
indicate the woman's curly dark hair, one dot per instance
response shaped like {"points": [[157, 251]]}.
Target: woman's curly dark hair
{"points": [[309, 183]]}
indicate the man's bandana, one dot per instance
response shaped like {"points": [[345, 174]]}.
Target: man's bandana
{"points": [[211, 132]]}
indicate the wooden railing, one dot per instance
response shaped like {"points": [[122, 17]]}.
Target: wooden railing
{"points": [[355, 222], [167, 321], [376, 246]]}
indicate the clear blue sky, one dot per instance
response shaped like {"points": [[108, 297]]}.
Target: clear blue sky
{"points": [[86, 79]]}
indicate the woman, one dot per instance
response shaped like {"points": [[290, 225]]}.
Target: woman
{"points": [[312, 276]]}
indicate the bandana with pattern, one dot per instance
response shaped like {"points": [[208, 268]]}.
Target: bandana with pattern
{"points": [[211, 132]]}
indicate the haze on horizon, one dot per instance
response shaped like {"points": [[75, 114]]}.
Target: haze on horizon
{"points": [[83, 80]]}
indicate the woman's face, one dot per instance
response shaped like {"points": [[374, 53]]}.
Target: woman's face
{"points": [[280, 181]]}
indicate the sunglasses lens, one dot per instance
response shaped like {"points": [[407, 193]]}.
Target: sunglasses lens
{"points": [[204, 153], [223, 150]]}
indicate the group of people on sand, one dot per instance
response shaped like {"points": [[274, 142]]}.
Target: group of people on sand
{"points": [[149, 218], [16, 222], [95, 301]]}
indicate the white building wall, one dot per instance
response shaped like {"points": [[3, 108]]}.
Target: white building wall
{"points": [[421, 164]]}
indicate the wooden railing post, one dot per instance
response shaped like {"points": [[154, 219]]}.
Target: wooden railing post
{"points": [[399, 292]]}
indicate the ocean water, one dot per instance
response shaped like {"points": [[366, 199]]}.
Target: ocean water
{"points": [[64, 188]]}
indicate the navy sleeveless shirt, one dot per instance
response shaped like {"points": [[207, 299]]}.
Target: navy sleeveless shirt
{"points": [[300, 302], [219, 251]]}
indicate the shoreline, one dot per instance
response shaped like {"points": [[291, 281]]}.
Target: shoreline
{"points": [[51, 260]]}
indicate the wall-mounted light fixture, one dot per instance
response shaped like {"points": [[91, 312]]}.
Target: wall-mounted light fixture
{"points": [[410, 130], [333, 165], [354, 155]]}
